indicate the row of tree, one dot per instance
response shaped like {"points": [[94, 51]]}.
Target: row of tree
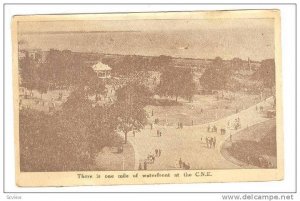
{"points": [[129, 64], [219, 76]]}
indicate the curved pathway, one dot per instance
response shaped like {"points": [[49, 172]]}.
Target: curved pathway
{"points": [[189, 143]]}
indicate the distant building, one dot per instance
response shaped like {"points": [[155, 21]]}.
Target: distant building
{"points": [[21, 54], [253, 65], [102, 70], [36, 55]]}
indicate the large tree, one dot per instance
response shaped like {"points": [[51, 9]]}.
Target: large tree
{"points": [[94, 124], [66, 140], [128, 110], [176, 82], [161, 62], [64, 69], [215, 77], [134, 93], [53, 142], [28, 72], [266, 73]]}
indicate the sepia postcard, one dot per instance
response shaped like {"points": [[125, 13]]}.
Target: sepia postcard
{"points": [[147, 98]]}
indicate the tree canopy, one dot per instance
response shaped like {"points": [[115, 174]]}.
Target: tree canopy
{"points": [[176, 82], [61, 69], [129, 108], [266, 73], [215, 77], [134, 93]]}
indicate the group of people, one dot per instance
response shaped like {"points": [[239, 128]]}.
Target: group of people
{"points": [[60, 96], [211, 142], [212, 128], [28, 94], [52, 105], [183, 165], [260, 109], [215, 129], [236, 124], [150, 159], [179, 125], [158, 133]]}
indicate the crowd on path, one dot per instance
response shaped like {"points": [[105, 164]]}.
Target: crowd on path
{"points": [[236, 124], [158, 133], [211, 142], [179, 125], [212, 128], [150, 159]]}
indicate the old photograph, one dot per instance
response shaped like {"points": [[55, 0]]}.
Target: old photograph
{"points": [[181, 91]]}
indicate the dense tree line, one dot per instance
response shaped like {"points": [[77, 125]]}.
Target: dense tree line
{"points": [[266, 73], [70, 138], [216, 76], [62, 69], [134, 63], [176, 82]]}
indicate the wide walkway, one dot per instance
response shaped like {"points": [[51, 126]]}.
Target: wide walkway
{"points": [[189, 143]]}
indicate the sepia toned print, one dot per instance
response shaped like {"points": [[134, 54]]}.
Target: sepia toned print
{"points": [[148, 95]]}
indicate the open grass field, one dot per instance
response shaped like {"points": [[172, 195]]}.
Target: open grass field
{"points": [[203, 109], [250, 144]]}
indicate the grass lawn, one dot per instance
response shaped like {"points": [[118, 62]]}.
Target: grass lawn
{"points": [[203, 109], [258, 141]]}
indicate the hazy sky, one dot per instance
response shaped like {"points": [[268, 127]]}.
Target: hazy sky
{"points": [[227, 38]]}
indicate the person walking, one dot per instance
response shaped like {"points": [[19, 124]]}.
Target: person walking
{"points": [[180, 163], [187, 166], [183, 165], [207, 142], [159, 152], [215, 128], [211, 142], [214, 142], [153, 158]]}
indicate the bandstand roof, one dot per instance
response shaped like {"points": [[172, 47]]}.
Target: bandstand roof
{"points": [[101, 67]]}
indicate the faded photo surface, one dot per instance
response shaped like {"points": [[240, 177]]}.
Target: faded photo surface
{"points": [[146, 94]]}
